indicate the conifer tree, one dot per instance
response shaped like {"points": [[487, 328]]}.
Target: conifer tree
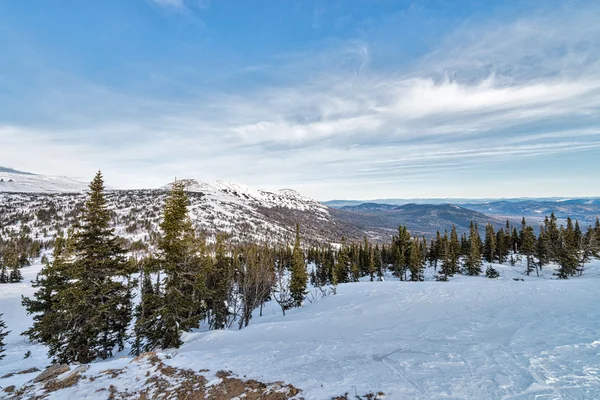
{"points": [[94, 305], [489, 247], [299, 276], [453, 252], [528, 247], [181, 258], [473, 262], [3, 333], [416, 264], [219, 285], [567, 253], [342, 262]]}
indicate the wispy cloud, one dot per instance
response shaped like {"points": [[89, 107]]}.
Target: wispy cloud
{"points": [[330, 122]]}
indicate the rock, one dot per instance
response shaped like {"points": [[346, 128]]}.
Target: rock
{"points": [[51, 372], [76, 372], [9, 389]]}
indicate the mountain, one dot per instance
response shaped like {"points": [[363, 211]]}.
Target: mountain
{"points": [[586, 210], [229, 207], [15, 181], [420, 219]]}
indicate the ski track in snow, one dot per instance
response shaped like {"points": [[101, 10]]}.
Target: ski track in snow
{"points": [[471, 338]]}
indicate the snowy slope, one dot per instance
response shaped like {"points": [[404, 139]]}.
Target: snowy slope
{"points": [[470, 338], [23, 182], [228, 207]]}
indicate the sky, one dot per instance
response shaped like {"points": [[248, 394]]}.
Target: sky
{"points": [[336, 99]]}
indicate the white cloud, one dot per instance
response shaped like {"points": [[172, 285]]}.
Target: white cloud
{"points": [[333, 124]]}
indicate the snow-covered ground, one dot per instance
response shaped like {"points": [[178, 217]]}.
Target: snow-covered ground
{"points": [[470, 338]]}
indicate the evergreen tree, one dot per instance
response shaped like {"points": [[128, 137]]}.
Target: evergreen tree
{"points": [[528, 249], [181, 257], [567, 252], [489, 247], [3, 333], [299, 276], [453, 252], [148, 329], [94, 305], [416, 264], [342, 263], [219, 285], [473, 262]]}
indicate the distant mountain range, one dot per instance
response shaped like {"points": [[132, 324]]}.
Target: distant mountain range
{"points": [[428, 213], [420, 219]]}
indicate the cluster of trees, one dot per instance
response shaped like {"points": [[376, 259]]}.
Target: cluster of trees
{"points": [[566, 246], [83, 307], [16, 251]]}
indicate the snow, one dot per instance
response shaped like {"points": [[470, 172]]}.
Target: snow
{"points": [[19, 182], [470, 338]]}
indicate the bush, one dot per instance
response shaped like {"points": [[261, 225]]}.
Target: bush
{"points": [[491, 272]]}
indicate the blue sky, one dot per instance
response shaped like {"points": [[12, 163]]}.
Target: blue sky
{"points": [[337, 99]]}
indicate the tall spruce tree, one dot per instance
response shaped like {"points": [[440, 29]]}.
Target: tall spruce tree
{"points": [[3, 333], [299, 276], [94, 304], [416, 264], [219, 285], [181, 257], [489, 247], [473, 260], [453, 252]]}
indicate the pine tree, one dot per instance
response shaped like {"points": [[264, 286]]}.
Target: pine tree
{"points": [[181, 257], [94, 304], [416, 264], [447, 265], [567, 253], [528, 249], [453, 252], [3, 333], [148, 329], [473, 262], [489, 247], [219, 285], [299, 276], [342, 262]]}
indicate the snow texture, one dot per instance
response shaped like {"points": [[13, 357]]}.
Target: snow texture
{"points": [[470, 338]]}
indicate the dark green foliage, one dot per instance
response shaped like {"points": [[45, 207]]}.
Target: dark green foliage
{"points": [[491, 272], [473, 262], [178, 302], [489, 247], [91, 311], [299, 276], [416, 262], [219, 285], [52, 280], [3, 334]]}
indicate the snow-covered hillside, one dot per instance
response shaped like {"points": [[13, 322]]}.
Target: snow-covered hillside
{"points": [[228, 207], [24, 182], [470, 338]]}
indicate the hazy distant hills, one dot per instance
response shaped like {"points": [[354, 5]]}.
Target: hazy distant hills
{"points": [[420, 219], [584, 210], [425, 216]]}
